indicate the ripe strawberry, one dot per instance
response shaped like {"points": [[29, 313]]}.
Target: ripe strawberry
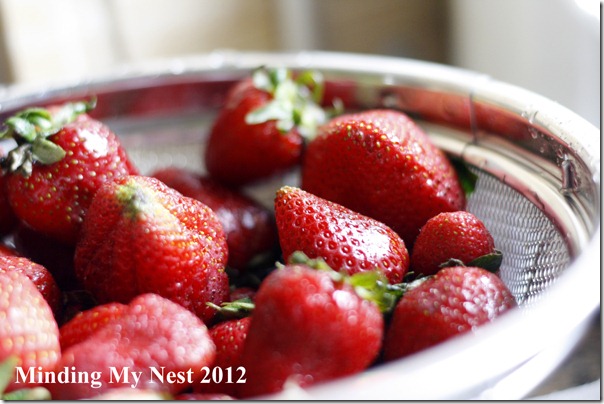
{"points": [[308, 326], [383, 165], [345, 239], [141, 236], [39, 275], [258, 132], [62, 158], [229, 338], [87, 322], [28, 330], [249, 227], [153, 332], [454, 301], [455, 235]]}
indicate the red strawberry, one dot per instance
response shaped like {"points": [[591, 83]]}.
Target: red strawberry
{"points": [[345, 239], [249, 227], [229, 338], [62, 159], [383, 165], [450, 235], [39, 275], [8, 220], [153, 333], [454, 301], [308, 326], [86, 322], [28, 330], [258, 132], [141, 236]]}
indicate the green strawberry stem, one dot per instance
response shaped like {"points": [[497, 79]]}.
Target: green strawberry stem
{"points": [[31, 129], [239, 308], [294, 104]]}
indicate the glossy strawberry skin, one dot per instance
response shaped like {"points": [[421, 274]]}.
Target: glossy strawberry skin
{"points": [[229, 337], [27, 326], [459, 235], [345, 239], [87, 322], [39, 275], [238, 153], [301, 331], [152, 332], [54, 199], [454, 301], [249, 227], [383, 165], [140, 236]]}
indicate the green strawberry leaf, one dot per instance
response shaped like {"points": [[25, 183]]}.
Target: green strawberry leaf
{"points": [[467, 178], [491, 262], [31, 128], [7, 372], [294, 104], [28, 394], [46, 152], [369, 285]]}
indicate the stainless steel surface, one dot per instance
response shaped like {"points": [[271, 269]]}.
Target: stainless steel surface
{"points": [[538, 192]]}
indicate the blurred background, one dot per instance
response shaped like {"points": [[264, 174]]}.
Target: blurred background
{"points": [[549, 46]]}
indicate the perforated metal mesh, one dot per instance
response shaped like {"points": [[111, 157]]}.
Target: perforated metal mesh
{"points": [[534, 252]]}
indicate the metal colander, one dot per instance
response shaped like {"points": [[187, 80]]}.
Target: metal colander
{"points": [[538, 192]]}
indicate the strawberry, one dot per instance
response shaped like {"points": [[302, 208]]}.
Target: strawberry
{"points": [[229, 337], [141, 236], [455, 235], [86, 322], [153, 333], [308, 326], [62, 158], [28, 331], [39, 275], [259, 131], [250, 227], [454, 301], [345, 239], [380, 163]]}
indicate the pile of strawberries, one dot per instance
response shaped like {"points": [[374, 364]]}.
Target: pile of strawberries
{"points": [[177, 284]]}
